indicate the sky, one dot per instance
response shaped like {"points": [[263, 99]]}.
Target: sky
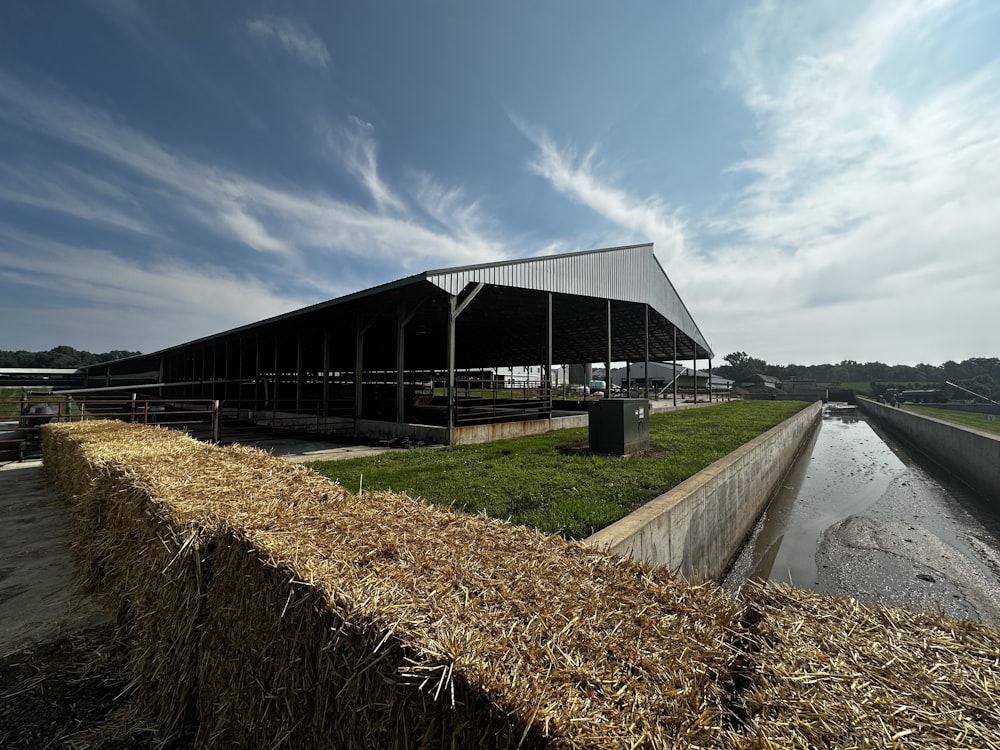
{"points": [[821, 180]]}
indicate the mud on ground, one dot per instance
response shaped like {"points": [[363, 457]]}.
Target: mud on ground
{"points": [[62, 679]]}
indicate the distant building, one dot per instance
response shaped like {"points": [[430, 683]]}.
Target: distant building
{"points": [[804, 389], [758, 380], [662, 375]]}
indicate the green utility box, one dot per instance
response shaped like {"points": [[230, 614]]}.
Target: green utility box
{"points": [[619, 426]]}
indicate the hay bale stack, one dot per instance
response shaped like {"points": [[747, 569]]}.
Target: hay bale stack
{"points": [[821, 671], [319, 618], [138, 555], [275, 608]]}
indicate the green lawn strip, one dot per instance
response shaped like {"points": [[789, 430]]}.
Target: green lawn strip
{"points": [[10, 406], [551, 482], [971, 419]]}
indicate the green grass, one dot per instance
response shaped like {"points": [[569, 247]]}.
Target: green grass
{"points": [[9, 406], [550, 482], [980, 421]]}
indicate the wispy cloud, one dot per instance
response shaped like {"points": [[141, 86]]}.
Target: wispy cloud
{"points": [[354, 147], [297, 39], [175, 299], [868, 192], [845, 155], [69, 191], [582, 179], [296, 225]]}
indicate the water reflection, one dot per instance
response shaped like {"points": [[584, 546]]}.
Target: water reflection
{"points": [[842, 471]]}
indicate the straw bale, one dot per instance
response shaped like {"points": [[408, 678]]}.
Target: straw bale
{"points": [[374, 621], [829, 672], [276, 608], [141, 559]]}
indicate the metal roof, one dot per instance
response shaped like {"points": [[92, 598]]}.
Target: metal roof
{"points": [[629, 274], [503, 325]]}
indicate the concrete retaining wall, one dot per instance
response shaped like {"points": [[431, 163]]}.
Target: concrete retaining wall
{"points": [[378, 430], [699, 526], [487, 433], [971, 408], [970, 454]]}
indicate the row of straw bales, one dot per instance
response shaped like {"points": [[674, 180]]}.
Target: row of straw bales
{"points": [[270, 607]]}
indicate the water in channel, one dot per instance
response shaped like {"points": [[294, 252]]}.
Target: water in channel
{"points": [[861, 516]]}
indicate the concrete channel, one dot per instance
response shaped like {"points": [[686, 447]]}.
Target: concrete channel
{"points": [[860, 515]]}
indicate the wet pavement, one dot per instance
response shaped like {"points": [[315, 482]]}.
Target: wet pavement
{"points": [[859, 516]]}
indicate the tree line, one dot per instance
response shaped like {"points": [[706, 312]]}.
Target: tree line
{"points": [[59, 357], [979, 374]]}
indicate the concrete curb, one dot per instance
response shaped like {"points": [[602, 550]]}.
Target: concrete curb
{"points": [[698, 527]]}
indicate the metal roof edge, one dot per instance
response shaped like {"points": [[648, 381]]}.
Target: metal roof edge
{"points": [[680, 299], [352, 297], [534, 259]]}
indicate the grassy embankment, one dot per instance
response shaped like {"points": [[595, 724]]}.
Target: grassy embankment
{"points": [[551, 482], [969, 419]]}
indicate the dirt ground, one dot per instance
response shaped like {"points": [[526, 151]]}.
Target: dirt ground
{"points": [[60, 672], [62, 675]]}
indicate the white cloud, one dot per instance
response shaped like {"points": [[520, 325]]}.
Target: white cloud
{"points": [[354, 146], [295, 38], [647, 219], [300, 228], [867, 219], [143, 305], [69, 191], [867, 222]]}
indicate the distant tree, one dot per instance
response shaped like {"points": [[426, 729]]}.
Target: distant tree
{"points": [[59, 357], [741, 366]]}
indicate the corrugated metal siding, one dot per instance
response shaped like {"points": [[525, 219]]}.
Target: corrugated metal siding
{"points": [[629, 274]]}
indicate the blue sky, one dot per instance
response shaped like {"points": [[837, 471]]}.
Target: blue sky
{"points": [[821, 180]]}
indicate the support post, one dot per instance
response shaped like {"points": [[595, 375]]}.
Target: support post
{"points": [[277, 377], [548, 353], [607, 360], [694, 372], [646, 366], [675, 367], [299, 375], [326, 369], [450, 380], [400, 356], [359, 361]]}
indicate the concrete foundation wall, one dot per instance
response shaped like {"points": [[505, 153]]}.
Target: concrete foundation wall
{"points": [[699, 526], [487, 433], [376, 430], [970, 454]]}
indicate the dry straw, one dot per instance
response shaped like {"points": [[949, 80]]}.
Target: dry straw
{"points": [[273, 608]]}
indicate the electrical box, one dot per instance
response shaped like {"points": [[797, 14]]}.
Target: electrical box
{"points": [[619, 426]]}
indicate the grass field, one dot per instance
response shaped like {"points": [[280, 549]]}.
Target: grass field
{"points": [[9, 407], [551, 482], [980, 421]]}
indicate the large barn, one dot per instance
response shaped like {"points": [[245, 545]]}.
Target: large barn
{"points": [[425, 357]]}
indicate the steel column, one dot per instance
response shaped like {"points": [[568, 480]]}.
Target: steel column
{"points": [[326, 369], [548, 352], [450, 380], [607, 361], [675, 367], [646, 370], [299, 376]]}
